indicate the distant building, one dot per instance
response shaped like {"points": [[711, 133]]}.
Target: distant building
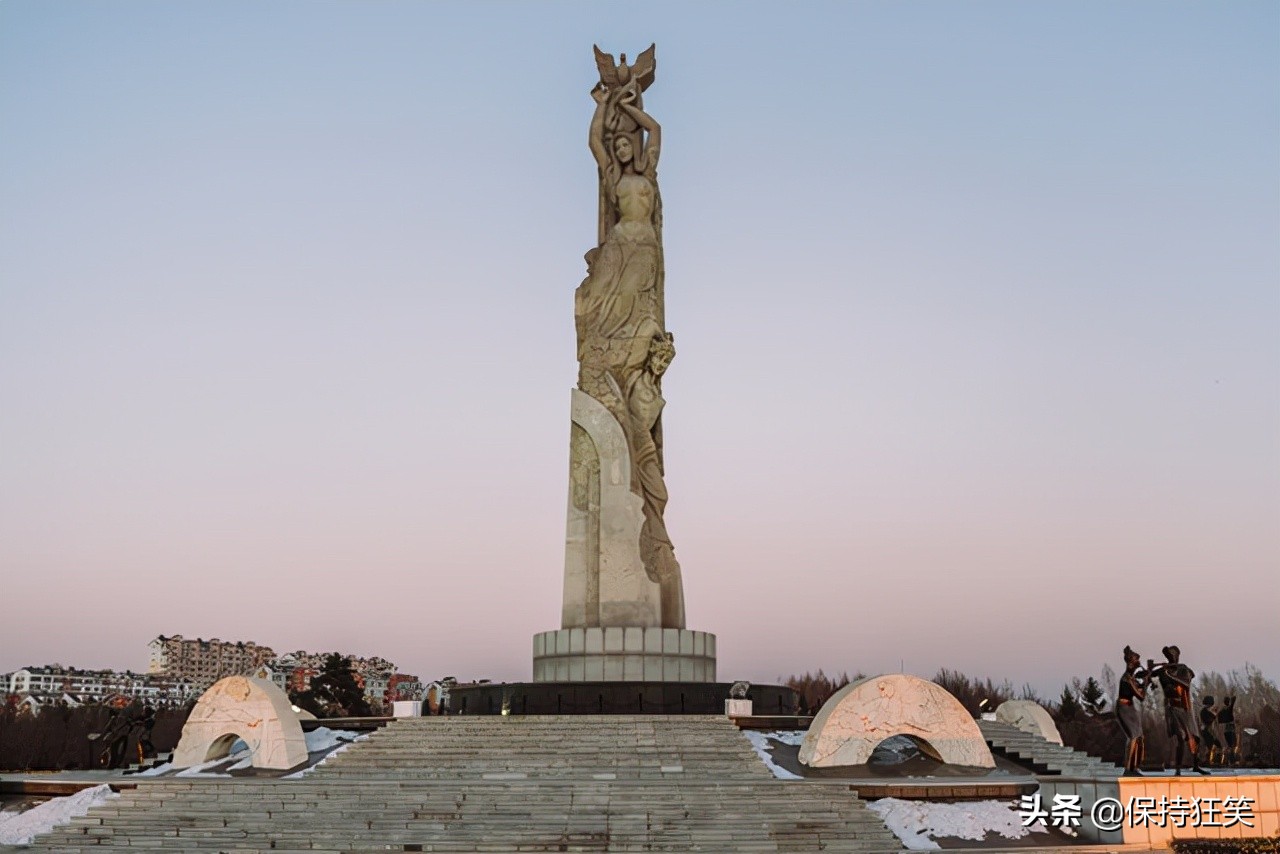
{"points": [[403, 686], [54, 682], [435, 695], [29, 706], [181, 669], [298, 668], [375, 686], [204, 662], [279, 678]]}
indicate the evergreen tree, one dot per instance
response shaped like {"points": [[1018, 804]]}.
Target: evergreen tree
{"points": [[1095, 701], [1068, 706], [335, 692]]}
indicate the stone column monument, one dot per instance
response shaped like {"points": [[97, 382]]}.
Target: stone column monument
{"points": [[623, 617]]}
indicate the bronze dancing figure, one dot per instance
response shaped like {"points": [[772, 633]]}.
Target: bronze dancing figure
{"points": [[1175, 681], [1133, 690], [1230, 739], [1209, 731]]}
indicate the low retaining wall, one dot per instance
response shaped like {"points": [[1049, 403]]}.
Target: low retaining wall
{"points": [[1156, 810]]}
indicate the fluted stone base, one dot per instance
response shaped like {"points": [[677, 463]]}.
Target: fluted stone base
{"points": [[618, 654]]}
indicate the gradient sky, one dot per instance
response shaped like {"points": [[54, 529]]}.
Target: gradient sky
{"points": [[977, 308]]}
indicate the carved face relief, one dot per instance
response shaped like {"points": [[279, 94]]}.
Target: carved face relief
{"points": [[660, 360], [622, 149]]}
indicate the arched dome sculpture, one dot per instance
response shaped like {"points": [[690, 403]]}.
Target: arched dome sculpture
{"points": [[1029, 717], [248, 709], [861, 715]]}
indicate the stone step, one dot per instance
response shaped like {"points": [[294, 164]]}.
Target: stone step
{"points": [[754, 820], [467, 816], [1037, 751], [539, 747], [494, 784]]}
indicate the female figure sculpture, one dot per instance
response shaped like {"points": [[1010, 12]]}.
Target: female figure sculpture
{"points": [[1133, 690], [623, 345], [1209, 730], [1230, 739]]}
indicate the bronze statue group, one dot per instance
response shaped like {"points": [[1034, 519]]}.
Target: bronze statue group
{"points": [[124, 726], [1190, 735]]}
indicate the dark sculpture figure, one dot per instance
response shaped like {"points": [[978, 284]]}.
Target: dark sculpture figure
{"points": [[1175, 682], [1133, 690], [125, 727], [1209, 730], [1230, 738], [113, 741], [145, 722]]}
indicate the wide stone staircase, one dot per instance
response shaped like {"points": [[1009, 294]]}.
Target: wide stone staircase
{"points": [[575, 783], [1042, 755], [597, 747]]}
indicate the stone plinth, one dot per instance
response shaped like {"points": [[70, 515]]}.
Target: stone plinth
{"points": [[624, 654]]}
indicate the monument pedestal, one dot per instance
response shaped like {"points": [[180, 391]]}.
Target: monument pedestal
{"points": [[613, 698], [624, 654]]}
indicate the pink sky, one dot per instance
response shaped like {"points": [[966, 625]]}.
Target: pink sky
{"points": [[976, 310]]}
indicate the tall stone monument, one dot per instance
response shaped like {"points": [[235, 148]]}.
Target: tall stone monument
{"points": [[623, 616]]}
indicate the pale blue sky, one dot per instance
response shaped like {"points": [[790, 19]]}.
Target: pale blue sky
{"points": [[976, 307]]}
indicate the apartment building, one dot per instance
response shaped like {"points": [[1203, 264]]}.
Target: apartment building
{"points": [[55, 680], [295, 670], [205, 661]]}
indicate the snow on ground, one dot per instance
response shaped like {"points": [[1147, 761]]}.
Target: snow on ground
{"points": [[760, 742], [205, 769], [915, 822], [17, 829], [318, 740], [241, 758], [155, 770], [323, 738], [326, 739], [794, 737]]}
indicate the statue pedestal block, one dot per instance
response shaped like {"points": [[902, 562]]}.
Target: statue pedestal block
{"points": [[624, 654], [737, 708]]}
